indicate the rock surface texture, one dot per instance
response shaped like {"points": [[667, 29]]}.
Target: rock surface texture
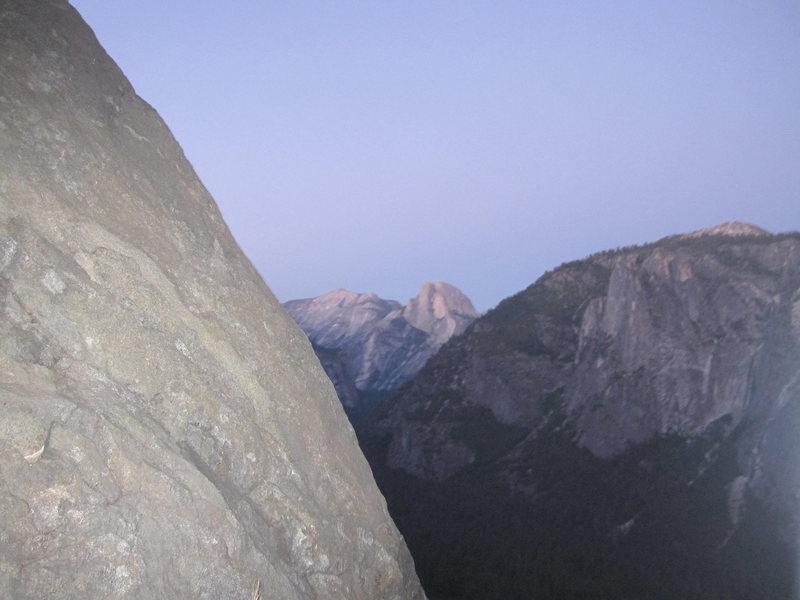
{"points": [[648, 396], [165, 428], [370, 346]]}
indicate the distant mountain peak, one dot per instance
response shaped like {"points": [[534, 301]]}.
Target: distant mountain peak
{"points": [[730, 228], [441, 310], [379, 343], [339, 315], [343, 297]]}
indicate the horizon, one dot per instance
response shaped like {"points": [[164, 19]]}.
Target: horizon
{"points": [[691, 234], [375, 147]]}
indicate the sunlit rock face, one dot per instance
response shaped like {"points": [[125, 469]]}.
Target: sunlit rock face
{"points": [[378, 344], [730, 228], [165, 428], [440, 310]]}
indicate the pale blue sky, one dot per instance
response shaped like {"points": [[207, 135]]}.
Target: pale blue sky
{"points": [[376, 145]]}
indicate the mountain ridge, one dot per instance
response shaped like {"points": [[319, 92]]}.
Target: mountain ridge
{"points": [[372, 345], [671, 368]]}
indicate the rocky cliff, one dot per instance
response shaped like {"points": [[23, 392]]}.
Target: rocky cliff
{"points": [[370, 346], [644, 401], [166, 431]]}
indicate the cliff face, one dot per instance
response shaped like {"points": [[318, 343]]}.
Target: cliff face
{"points": [[440, 310], [166, 430], [374, 345], [669, 371], [666, 339]]}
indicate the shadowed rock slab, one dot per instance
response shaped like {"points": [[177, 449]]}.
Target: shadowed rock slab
{"points": [[165, 429]]}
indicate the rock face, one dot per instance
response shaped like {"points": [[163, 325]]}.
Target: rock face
{"points": [[664, 339], [165, 429], [373, 346], [672, 370]]}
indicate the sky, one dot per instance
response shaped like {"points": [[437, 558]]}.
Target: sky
{"points": [[375, 145]]}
